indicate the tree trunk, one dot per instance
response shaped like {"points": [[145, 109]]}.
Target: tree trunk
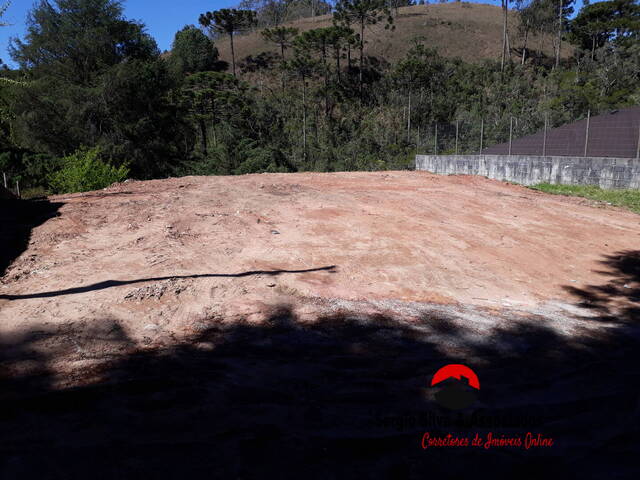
{"points": [[409, 120], [233, 55], [559, 45], [524, 47], [304, 120], [361, 55], [508, 46], [203, 140], [326, 79], [541, 46], [282, 55], [504, 33]]}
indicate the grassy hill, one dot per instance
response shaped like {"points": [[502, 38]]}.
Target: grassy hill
{"points": [[470, 31]]}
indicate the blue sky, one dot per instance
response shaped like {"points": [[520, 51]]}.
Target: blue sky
{"points": [[162, 17]]}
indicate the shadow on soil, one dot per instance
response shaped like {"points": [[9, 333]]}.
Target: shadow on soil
{"points": [[17, 219], [345, 396], [118, 283], [619, 299]]}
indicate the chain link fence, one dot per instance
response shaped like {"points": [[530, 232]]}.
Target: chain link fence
{"points": [[613, 134]]}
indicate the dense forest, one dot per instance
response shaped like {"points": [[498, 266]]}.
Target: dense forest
{"points": [[94, 101]]}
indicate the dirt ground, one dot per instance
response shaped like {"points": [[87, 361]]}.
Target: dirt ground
{"points": [[305, 313]]}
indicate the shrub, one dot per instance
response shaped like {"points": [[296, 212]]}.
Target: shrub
{"points": [[84, 171], [260, 160]]}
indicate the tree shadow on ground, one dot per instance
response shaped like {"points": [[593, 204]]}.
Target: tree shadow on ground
{"points": [[344, 395], [118, 283], [17, 219], [619, 299]]}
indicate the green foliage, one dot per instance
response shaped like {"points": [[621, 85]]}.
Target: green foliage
{"points": [[32, 193], [363, 12], [29, 168], [212, 98], [84, 171], [281, 36], [261, 159], [193, 52], [228, 21], [142, 125], [611, 21], [76, 40], [624, 198], [3, 9], [95, 79], [308, 108]]}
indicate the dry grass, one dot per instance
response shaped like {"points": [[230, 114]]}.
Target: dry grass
{"points": [[470, 31]]}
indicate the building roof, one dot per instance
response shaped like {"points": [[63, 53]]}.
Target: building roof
{"points": [[612, 134]]}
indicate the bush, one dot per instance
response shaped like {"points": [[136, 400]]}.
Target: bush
{"points": [[260, 160], [84, 171]]}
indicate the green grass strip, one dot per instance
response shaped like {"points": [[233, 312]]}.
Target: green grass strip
{"points": [[622, 198]]}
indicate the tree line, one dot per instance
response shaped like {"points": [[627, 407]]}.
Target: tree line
{"points": [[93, 93]]}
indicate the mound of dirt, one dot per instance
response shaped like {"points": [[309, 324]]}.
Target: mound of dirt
{"points": [[305, 313]]}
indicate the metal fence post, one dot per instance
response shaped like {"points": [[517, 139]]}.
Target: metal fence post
{"points": [[457, 137], [638, 149], [510, 133], [544, 138], [586, 133], [409, 121], [481, 135]]}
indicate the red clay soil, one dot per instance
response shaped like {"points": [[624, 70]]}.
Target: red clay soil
{"points": [[406, 236], [335, 285]]}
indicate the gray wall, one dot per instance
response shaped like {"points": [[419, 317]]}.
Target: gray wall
{"points": [[529, 170]]}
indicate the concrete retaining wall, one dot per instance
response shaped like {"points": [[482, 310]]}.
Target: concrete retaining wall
{"points": [[529, 170]]}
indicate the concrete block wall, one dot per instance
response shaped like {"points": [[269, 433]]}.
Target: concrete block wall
{"points": [[604, 172]]}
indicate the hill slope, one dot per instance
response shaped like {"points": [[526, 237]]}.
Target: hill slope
{"points": [[470, 31]]}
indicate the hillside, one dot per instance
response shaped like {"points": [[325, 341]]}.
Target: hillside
{"points": [[470, 31]]}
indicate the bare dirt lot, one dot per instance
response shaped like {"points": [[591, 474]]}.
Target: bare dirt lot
{"points": [[275, 323]]}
